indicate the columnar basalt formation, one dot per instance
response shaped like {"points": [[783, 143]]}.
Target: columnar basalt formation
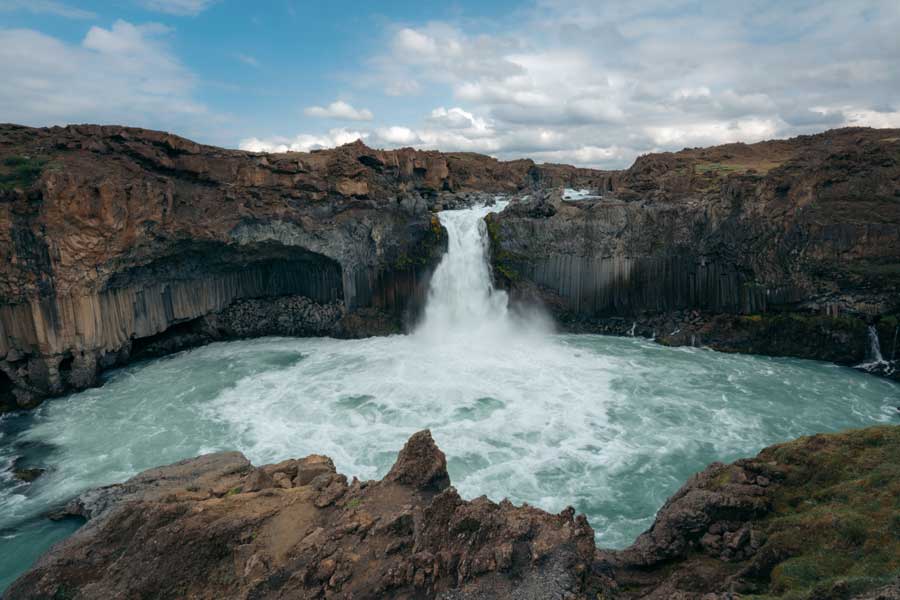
{"points": [[813, 518], [118, 241], [787, 247], [114, 236]]}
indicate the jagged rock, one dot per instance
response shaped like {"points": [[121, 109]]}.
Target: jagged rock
{"points": [[421, 465], [806, 519], [810, 518], [167, 533]]}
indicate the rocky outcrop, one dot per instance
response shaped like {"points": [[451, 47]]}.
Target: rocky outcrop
{"points": [[218, 527], [114, 237], [813, 518], [718, 246]]}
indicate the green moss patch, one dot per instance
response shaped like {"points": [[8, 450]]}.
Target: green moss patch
{"points": [[20, 171], [836, 516]]}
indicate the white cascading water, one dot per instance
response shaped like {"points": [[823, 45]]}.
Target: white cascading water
{"points": [[462, 300], [874, 352]]}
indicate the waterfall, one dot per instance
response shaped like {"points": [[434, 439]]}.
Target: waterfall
{"points": [[633, 327], [462, 299], [874, 353]]}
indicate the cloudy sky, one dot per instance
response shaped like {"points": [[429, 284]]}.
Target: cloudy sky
{"points": [[585, 82]]}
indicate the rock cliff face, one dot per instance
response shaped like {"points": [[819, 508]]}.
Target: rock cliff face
{"points": [[117, 241], [814, 518], [786, 247]]}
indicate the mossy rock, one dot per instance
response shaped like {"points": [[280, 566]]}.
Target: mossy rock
{"points": [[836, 515]]}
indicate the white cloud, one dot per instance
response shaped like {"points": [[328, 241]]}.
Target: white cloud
{"points": [[397, 136], [303, 142], [187, 8], [872, 118], [713, 133], [46, 7], [124, 74], [339, 110], [247, 60], [600, 83]]}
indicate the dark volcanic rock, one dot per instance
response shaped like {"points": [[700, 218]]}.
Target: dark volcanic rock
{"points": [[681, 244], [813, 518], [113, 237]]}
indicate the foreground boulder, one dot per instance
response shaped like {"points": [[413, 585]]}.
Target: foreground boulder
{"points": [[817, 518], [218, 527]]}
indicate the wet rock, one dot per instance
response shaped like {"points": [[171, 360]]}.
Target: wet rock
{"points": [[28, 475], [421, 465], [756, 250], [170, 533]]}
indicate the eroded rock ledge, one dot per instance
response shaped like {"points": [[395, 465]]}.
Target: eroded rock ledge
{"points": [[814, 518]]}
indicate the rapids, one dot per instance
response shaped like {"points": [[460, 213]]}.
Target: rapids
{"points": [[612, 426]]}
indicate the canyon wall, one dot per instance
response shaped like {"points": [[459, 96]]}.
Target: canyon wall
{"points": [[113, 238], [788, 247], [119, 242]]}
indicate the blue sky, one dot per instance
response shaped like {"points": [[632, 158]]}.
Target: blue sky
{"points": [[578, 81]]}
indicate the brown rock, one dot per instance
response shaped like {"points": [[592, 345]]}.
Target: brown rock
{"points": [[421, 465], [151, 536]]}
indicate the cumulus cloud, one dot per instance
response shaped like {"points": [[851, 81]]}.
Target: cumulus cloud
{"points": [[303, 142], [339, 110], [187, 8], [124, 74], [599, 83]]}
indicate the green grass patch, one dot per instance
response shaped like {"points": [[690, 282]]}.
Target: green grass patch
{"points": [[20, 171], [837, 516]]}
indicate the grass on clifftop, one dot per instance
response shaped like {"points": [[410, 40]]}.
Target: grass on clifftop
{"points": [[836, 519], [20, 172]]}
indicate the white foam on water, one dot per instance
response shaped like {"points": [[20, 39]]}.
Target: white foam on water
{"points": [[612, 426], [578, 194]]}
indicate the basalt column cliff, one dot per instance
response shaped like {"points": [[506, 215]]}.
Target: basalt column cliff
{"points": [[787, 247], [121, 242]]}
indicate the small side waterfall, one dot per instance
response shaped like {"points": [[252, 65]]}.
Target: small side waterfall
{"points": [[874, 352]]}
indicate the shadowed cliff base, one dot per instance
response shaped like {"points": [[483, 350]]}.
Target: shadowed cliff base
{"points": [[813, 518]]}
